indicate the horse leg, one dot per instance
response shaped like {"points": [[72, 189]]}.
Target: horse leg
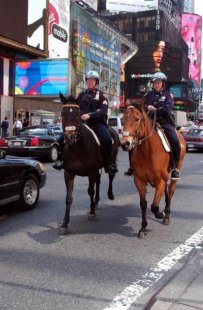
{"points": [[69, 180], [168, 197], [141, 187], [157, 197], [97, 194], [91, 191], [110, 188]]}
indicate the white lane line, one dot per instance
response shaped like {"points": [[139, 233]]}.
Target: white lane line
{"points": [[131, 293]]}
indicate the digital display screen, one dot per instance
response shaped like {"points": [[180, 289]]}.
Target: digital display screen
{"points": [[41, 77]]}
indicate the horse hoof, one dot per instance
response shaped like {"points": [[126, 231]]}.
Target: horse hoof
{"points": [[160, 215], [142, 234], [63, 231], [166, 221], [111, 196], [91, 217]]}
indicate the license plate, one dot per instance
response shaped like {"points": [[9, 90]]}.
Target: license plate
{"points": [[191, 145], [15, 144]]}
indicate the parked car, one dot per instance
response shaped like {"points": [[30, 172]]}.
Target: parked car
{"points": [[194, 139], [117, 124], [57, 129], [20, 181], [34, 141], [186, 128]]}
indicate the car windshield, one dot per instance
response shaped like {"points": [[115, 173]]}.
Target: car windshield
{"points": [[33, 132], [193, 132]]}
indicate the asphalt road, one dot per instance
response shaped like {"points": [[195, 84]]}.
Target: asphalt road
{"points": [[98, 260]]}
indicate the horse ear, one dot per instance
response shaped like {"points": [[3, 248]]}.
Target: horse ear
{"points": [[62, 98]]}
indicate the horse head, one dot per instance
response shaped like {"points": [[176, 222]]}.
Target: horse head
{"points": [[132, 126], [70, 118]]}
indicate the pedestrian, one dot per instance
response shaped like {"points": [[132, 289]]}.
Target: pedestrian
{"points": [[4, 127], [94, 108], [25, 122], [17, 126], [159, 100]]}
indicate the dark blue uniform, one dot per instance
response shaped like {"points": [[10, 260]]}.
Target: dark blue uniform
{"points": [[94, 103], [163, 103]]}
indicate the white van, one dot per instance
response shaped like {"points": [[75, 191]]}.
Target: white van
{"points": [[116, 123]]}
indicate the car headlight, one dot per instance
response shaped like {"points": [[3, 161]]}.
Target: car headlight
{"points": [[40, 167]]}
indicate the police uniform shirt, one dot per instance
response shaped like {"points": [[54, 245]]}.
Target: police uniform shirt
{"points": [[94, 103], [162, 101]]}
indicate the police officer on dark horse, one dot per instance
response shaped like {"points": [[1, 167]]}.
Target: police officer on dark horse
{"points": [[93, 109], [160, 101]]}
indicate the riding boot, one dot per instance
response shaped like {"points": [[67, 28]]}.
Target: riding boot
{"points": [[58, 165], [175, 174], [109, 166], [129, 171]]}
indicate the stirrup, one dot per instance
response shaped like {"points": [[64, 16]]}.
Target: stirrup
{"points": [[175, 174]]}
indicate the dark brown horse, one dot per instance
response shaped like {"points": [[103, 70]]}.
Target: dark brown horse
{"points": [[82, 156], [150, 162]]}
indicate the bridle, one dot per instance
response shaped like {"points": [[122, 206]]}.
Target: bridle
{"points": [[136, 135], [72, 133]]}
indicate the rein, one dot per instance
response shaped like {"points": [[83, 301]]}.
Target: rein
{"points": [[136, 141]]}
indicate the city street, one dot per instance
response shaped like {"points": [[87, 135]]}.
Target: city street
{"points": [[98, 260]]}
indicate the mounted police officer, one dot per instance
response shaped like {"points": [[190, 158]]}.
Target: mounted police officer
{"points": [[161, 101], [93, 110]]}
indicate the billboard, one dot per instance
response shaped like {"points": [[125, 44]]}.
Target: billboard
{"points": [[41, 77], [24, 21], [58, 28], [155, 56], [191, 33], [131, 5]]}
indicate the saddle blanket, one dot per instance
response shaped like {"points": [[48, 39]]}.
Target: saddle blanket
{"points": [[164, 140], [95, 136]]}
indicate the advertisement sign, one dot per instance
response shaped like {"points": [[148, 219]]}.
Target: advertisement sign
{"points": [[41, 77], [58, 28], [192, 33], [132, 5], [24, 22], [36, 23]]}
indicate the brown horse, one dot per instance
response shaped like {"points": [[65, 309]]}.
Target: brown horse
{"points": [[82, 156], [150, 162]]}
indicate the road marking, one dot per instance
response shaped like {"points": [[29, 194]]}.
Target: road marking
{"points": [[130, 294]]}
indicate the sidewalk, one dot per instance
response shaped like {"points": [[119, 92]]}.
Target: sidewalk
{"points": [[185, 290]]}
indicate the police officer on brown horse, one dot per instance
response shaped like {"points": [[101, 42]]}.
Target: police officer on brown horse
{"points": [[161, 101], [93, 110]]}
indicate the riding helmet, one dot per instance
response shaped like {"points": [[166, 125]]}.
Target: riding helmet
{"points": [[92, 75], [159, 76]]}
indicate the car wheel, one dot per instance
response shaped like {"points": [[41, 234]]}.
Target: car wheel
{"points": [[54, 154], [29, 193]]}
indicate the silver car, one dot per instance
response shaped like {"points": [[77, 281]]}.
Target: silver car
{"points": [[194, 139]]}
